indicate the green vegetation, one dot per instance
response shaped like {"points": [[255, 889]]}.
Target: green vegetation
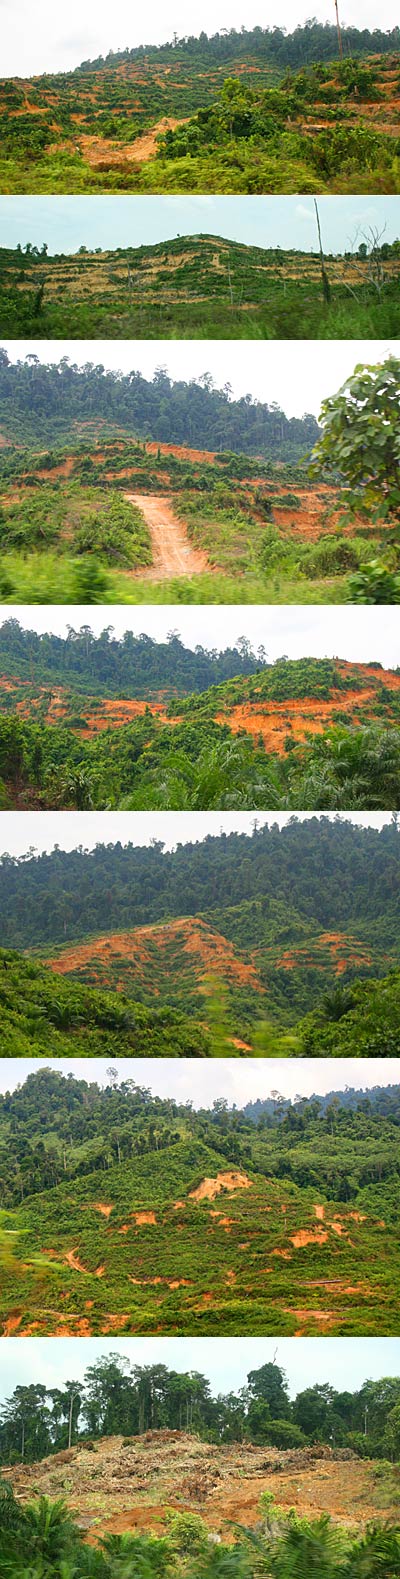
{"points": [[67, 535], [200, 287], [116, 1399], [55, 403], [81, 131], [43, 1015], [318, 131], [41, 1540], [361, 441], [292, 925], [106, 1181], [83, 521], [139, 725]]}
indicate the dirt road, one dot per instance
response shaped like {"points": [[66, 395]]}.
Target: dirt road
{"points": [[173, 554]]}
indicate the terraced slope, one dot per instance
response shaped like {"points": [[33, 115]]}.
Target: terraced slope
{"points": [[180, 962], [184, 1241], [110, 1486], [108, 125], [195, 286], [249, 738], [225, 524], [297, 696]]}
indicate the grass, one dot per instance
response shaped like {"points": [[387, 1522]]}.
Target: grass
{"points": [[175, 290], [221, 1252]]}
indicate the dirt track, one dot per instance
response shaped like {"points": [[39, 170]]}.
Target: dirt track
{"points": [[173, 554]]}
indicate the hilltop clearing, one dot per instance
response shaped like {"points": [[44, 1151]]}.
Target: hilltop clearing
{"points": [[44, 1012], [200, 287], [147, 119]]}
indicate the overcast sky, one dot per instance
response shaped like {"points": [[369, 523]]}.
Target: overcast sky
{"points": [[67, 223], [48, 38], [295, 632], [344, 1362], [21, 831], [296, 375], [239, 1080]]}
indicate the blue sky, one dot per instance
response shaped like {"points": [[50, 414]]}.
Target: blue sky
{"points": [[344, 1362], [66, 223], [46, 37]]}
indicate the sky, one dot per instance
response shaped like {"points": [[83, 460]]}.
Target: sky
{"points": [[295, 632], [238, 1080], [46, 37], [344, 1362], [297, 375], [67, 223], [23, 831]]}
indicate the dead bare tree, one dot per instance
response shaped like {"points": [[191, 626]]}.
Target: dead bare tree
{"points": [[325, 281], [339, 30]]}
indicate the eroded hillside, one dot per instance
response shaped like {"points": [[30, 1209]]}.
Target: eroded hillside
{"points": [[116, 1485]]}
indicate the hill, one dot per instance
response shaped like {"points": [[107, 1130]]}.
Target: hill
{"points": [[196, 1219], [199, 286], [318, 874], [163, 483], [99, 128], [41, 1018], [274, 921], [43, 1014], [218, 1483], [154, 517], [315, 733], [57, 403]]}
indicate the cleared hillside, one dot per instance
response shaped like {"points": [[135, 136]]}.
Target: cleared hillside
{"points": [[221, 1482], [221, 523], [198, 286], [185, 1240], [108, 125], [315, 733]]}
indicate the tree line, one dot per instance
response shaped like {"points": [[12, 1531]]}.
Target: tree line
{"points": [[43, 400], [134, 664], [313, 41], [115, 1398], [334, 873]]}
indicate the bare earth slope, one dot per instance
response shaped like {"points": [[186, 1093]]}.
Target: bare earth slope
{"points": [[116, 1487]]}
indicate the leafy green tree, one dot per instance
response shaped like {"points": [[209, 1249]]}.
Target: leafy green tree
{"points": [[361, 439]]}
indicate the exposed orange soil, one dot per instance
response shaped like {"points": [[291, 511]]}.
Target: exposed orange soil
{"points": [[320, 1213], [304, 1236], [209, 1188], [11, 1325], [141, 1218], [105, 1211], [73, 1261], [271, 720], [211, 952], [222, 1482], [343, 950], [181, 451], [104, 151], [173, 553]]}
